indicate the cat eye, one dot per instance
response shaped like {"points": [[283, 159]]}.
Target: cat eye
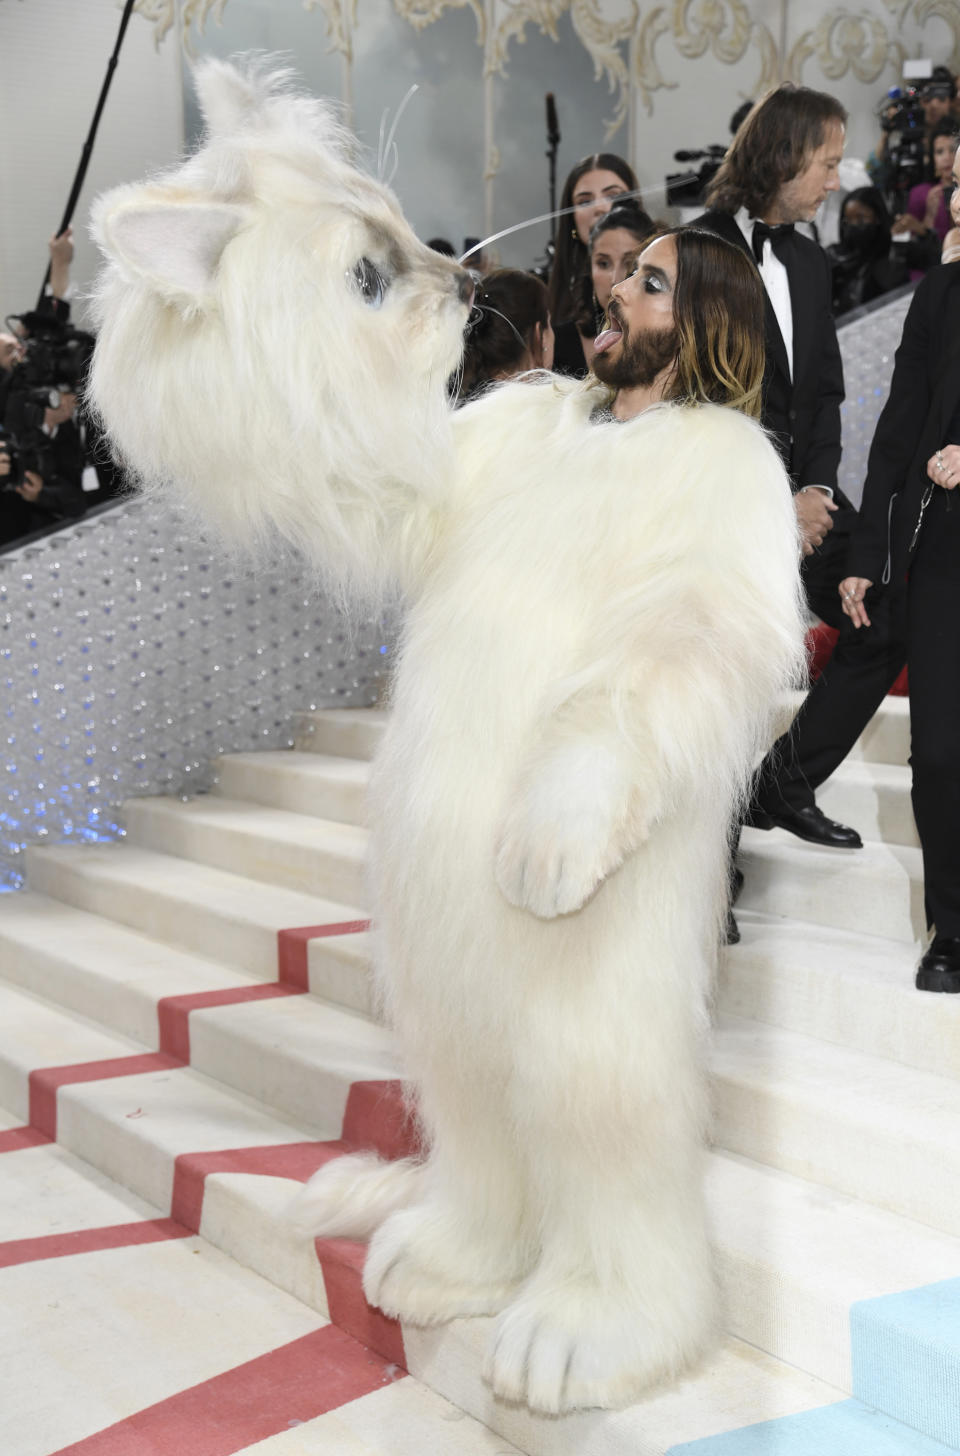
{"points": [[370, 282]]}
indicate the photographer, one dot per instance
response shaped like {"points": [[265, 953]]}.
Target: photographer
{"points": [[899, 160], [927, 217]]}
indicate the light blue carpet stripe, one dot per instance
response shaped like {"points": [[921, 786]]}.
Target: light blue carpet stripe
{"points": [[906, 1357], [845, 1429]]}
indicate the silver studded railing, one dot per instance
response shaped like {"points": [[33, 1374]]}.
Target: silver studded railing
{"points": [[131, 655], [868, 341]]}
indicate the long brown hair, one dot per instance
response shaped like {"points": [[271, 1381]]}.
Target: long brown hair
{"points": [[571, 258], [772, 146], [718, 311]]}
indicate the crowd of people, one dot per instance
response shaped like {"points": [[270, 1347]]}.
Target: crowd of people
{"points": [[884, 576]]}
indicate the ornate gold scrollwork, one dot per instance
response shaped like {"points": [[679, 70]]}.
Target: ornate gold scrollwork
{"points": [[602, 36], [949, 12], [724, 27], [421, 13], [845, 42], [162, 15]]}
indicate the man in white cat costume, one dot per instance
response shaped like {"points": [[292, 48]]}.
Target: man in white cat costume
{"points": [[602, 623]]}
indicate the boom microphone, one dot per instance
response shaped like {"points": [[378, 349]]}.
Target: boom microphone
{"points": [[553, 126]]}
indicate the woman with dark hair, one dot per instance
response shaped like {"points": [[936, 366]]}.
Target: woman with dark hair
{"points": [[590, 190], [508, 331], [615, 240], [927, 209], [863, 267]]}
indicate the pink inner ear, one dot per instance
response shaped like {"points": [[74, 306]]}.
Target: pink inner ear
{"points": [[177, 245]]}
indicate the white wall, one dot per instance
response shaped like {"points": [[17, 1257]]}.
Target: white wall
{"points": [[53, 58]]}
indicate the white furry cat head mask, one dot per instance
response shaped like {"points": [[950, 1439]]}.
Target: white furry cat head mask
{"points": [[270, 328]]}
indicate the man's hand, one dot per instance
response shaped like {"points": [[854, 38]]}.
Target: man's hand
{"points": [[943, 468], [4, 463], [814, 516], [852, 591], [31, 487]]}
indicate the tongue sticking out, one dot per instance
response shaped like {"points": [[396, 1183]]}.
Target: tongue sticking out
{"points": [[606, 340]]}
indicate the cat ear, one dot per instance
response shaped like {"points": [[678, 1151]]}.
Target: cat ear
{"points": [[172, 245]]}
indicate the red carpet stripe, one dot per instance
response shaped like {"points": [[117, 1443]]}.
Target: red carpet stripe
{"points": [[292, 948], [283, 1160], [378, 1117], [173, 1012], [342, 1263], [261, 1398], [16, 1138], [86, 1241], [46, 1080]]}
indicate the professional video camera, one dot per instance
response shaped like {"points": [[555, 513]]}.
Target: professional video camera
{"points": [[902, 118], [55, 357], [688, 189]]}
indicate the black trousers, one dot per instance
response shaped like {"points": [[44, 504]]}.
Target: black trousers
{"points": [[933, 656], [915, 622], [862, 669]]}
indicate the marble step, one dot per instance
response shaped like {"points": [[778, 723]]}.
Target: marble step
{"points": [[356, 732], [342, 732], [169, 1340], [876, 890], [892, 1139], [208, 911], [853, 990], [892, 1126], [112, 1320], [295, 1053], [273, 846], [300, 783], [792, 1254], [874, 798], [886, 738]]}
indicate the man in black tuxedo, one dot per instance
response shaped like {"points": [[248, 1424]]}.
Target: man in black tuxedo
{"points": [[780, 167], [910, 522]]}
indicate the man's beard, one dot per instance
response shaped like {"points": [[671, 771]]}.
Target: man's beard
{"points": [[638, 360]]}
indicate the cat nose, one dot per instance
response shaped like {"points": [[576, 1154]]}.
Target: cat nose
{"points": [[466, 289]]}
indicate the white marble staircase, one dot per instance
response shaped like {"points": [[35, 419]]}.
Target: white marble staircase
{"points": [[177, 1027]]}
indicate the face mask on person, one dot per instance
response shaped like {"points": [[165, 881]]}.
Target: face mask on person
{"points": [[860, 237]]}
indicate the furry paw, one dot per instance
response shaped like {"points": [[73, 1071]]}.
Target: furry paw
{"points": [[574, 1346], [419, 1270], [570, 827]]}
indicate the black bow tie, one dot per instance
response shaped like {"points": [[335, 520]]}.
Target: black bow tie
{"points": [[781, 239]]}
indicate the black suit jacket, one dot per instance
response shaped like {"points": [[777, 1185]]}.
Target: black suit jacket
{"points": [[924, 396], [802, 412]]}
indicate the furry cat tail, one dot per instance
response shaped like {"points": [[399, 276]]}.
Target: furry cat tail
{"points": [[350, 1197]]}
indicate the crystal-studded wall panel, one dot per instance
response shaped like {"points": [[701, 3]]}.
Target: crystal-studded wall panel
{"points": [[867, 344], [131, 656]]}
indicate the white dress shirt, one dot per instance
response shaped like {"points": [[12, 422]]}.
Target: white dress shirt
{"points": [[775, 281]]}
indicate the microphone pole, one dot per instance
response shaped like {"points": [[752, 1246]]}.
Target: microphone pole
{"points": [[87, 152], [553, 142]]}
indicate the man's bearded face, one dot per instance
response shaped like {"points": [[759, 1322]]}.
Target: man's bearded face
{"points": [[641, 355]]}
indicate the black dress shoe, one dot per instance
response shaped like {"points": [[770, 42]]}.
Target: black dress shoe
{"points": [[732, 935], [939, 970], [812, 824]]}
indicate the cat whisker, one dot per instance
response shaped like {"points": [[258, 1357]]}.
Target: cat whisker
{"points": [[548, 216], [386, 149]]}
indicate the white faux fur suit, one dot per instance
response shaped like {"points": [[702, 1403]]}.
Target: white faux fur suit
{"points": [[603, 621], [587, 676]]}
